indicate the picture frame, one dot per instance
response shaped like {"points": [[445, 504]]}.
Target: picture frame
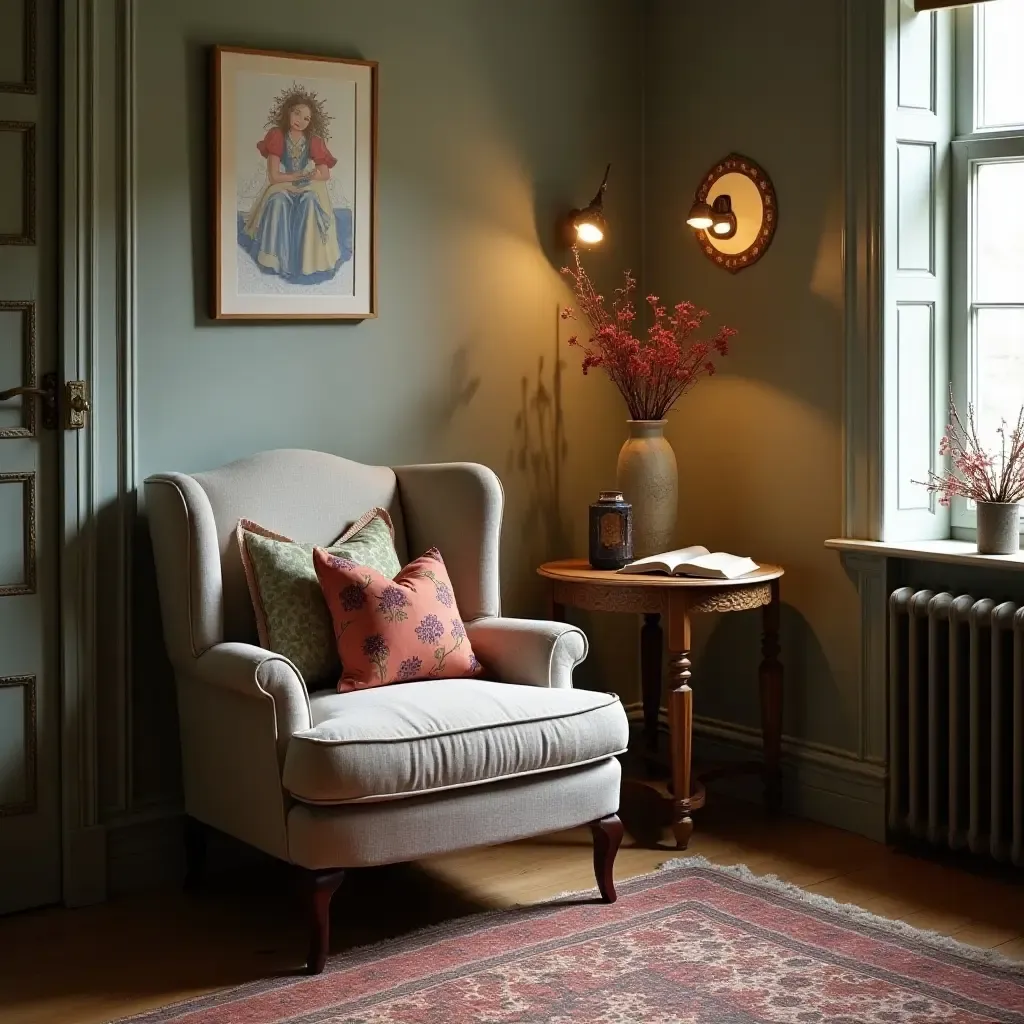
{"points": [[294, 186]]}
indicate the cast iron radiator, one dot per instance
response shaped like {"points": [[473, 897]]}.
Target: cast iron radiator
{"points": [[956, 722]]}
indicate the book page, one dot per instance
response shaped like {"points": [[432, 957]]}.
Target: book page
{"points": [[667, 561]]}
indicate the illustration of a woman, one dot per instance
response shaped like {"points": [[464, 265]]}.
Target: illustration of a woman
{"points": [[291, 229]]}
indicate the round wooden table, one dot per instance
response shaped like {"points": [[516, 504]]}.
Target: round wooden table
{"points": [[675, 599]]}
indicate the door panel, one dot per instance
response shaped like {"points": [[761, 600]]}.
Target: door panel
{"points": [[29, 638]]}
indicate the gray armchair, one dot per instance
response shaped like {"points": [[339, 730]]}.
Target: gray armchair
{"points": [[329, 781]]}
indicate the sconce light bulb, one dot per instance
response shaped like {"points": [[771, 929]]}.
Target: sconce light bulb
{"points": [[589, 232], [722, 228], [699, 217]]}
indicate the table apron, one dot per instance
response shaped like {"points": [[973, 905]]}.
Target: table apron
{"points": [[659, 600]]}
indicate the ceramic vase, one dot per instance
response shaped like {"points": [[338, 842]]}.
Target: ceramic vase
{"points": [[998, 527], [648, 478]]}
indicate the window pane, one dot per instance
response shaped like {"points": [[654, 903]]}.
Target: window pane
{"points": [[999, 231], [1001, 75], [999, 339]]}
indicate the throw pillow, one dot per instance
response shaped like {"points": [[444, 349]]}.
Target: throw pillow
{"points": [[394, 630], [291, 616]]}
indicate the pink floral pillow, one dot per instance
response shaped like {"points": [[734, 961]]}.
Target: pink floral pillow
{"points": [[394, 631]]}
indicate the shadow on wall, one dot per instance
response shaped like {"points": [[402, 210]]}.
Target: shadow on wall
{"points": [[725, 672], [539, 453]]}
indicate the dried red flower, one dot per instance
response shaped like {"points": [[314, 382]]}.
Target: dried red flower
{"points": [[651, 371]]}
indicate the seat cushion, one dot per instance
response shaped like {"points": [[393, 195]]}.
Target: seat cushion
{"points": [[440, 734]]}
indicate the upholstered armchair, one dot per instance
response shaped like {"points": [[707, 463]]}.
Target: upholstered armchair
{"points": [[326, 780]]}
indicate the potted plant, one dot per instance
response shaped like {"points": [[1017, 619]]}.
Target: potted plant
{"points": [[993, 481], [652, 369]]}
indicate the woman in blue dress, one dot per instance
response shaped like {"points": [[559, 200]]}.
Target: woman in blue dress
{"points": [[291, 229]]}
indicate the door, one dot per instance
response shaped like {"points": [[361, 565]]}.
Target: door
{"points": [[30, 852]]}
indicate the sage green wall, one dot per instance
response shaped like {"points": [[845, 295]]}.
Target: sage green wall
{"points": [[493, 118], [759, 446]]}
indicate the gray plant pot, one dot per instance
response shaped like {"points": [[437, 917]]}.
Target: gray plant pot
{"points": [[998, 528]]}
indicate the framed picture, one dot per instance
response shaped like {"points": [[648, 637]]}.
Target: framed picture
{"points": [[294, 172]]}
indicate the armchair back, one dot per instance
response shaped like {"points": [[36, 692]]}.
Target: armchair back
{"points": [[311, 497]]}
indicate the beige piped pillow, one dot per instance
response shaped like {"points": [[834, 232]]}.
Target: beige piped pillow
{"points": [[292, 617]]}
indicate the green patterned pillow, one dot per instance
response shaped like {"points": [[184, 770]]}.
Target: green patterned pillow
{"points": [[291, 615]]}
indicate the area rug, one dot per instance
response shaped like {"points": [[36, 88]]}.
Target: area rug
{"points": [[693, 942]]}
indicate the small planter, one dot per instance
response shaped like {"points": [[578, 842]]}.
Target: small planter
{"points": [[998, 528]]}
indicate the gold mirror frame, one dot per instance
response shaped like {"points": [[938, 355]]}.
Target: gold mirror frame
{"points": [[737, 164]]}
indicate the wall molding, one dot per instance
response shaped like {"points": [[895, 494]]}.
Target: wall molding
{"points": [[84, 878], [863, 257], [98, 193]]}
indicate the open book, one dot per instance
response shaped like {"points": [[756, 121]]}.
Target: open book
{"points": [[695, 561]]}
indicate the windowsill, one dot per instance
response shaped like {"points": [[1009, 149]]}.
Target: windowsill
{"points": [[955, 552]]}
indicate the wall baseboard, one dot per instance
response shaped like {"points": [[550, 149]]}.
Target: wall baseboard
{"points": [[818, 782], [147, 850]]}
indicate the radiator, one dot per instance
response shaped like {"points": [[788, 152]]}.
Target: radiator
{"points": [[956, 722]]}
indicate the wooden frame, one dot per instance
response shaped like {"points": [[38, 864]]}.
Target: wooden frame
{"points": [[26, 86], [314, 226], [29, 369], [27, 234], [735, 261]]}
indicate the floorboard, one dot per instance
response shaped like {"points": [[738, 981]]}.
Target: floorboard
{"points": [[100, 963]]}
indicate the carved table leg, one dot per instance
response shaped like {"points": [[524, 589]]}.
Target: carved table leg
{"points": [[771, 702], [680, 714], [650, 678]]}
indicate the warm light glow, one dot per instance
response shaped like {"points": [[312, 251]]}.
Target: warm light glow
{"points": [[722, 228], [700, 217], [589, 232]]}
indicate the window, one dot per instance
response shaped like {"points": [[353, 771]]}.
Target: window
{"points": [[987, 327]]}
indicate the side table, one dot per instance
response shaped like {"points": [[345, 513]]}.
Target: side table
{"points": [[676, 599]]}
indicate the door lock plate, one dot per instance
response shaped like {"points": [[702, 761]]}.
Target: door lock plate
{"points": [[76, 404]]}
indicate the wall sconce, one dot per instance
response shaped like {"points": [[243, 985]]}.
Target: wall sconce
{"points": [[587, 226], [734, 213]]}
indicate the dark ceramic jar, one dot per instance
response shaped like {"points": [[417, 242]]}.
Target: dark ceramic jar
{"points": [[611, 531]]}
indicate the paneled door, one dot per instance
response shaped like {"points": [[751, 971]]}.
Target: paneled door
{"points": [[30, 852]]}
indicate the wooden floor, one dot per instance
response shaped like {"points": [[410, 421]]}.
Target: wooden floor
{"points": [[105, 962]]}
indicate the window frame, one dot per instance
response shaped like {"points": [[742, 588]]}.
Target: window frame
{"points": [[971, 147]]}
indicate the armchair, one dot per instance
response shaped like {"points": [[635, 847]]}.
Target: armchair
{"points": [[329, 781]]}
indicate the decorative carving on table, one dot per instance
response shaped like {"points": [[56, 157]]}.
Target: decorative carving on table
{"points": [[607, 599], [734, 600]]}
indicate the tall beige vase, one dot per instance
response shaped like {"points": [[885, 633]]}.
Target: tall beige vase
{"points": [[649, 481]]}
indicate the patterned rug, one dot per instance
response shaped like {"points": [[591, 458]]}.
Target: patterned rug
{"points": [[691, 943]]}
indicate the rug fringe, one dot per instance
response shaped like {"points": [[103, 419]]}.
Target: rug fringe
{"points": [[850, 911]]}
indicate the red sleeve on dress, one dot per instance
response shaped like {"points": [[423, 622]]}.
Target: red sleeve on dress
{"points": [[320, 153], [272, 144]]}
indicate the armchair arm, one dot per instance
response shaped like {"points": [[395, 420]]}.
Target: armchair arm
{"points": [[529, 651], [255, 672]]}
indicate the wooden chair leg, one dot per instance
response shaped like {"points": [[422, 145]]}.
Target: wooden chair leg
{"points": [[607, 836], [196, 834], [320, 887]]}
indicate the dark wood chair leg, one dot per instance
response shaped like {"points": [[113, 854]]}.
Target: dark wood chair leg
{"points": [[607, 836], [196, 835], [320, 887]]}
